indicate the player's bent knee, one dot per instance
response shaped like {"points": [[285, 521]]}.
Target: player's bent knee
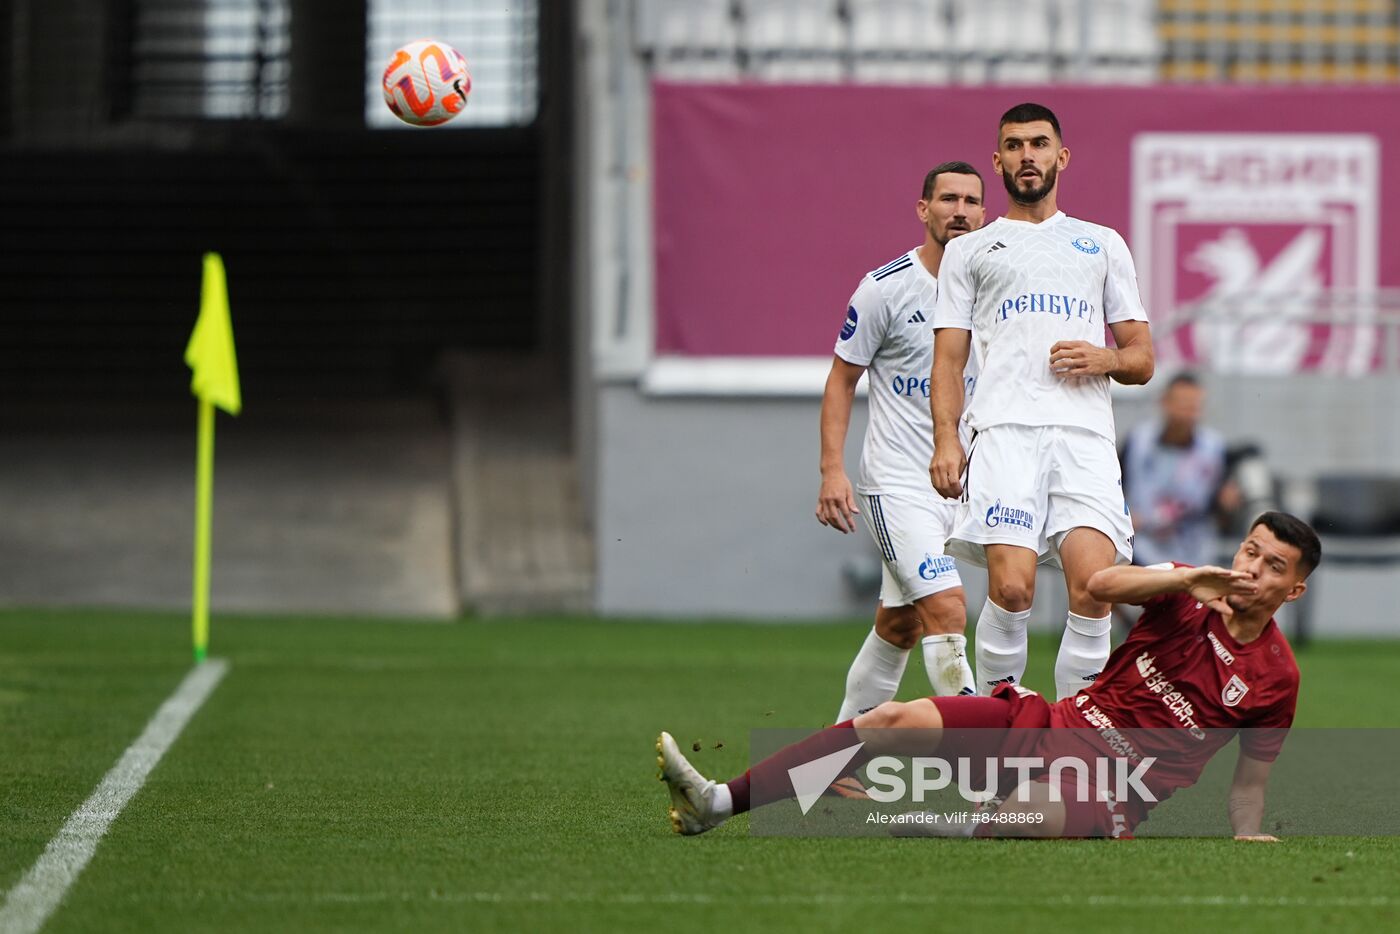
{"points": [[885, 716], [901, 727], [1013, 595], [893, 715]]}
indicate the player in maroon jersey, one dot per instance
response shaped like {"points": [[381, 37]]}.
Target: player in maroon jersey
{"points": [[1205, 660]]}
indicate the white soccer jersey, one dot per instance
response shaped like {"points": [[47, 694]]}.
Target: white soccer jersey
{"points": [[888, 331], [1020, 287]]}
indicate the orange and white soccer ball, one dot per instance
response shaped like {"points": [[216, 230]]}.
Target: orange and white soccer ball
{"points": [[427, 83]]}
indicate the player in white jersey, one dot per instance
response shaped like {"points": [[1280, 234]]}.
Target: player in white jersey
{"points": [[887, 333], [1029, 296]]}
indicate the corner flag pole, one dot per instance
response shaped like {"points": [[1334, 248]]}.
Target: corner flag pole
{"points": [[203, 521], [211, 356]]}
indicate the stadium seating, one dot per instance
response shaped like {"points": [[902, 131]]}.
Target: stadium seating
{"points": [[1004, 41], [1109, 41], [693, 40], [900, 41], [1357, 506], [973, 41], [795, 40], [1279, 40]]}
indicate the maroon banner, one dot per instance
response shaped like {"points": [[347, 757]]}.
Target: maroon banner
{"points": [[772, 201]]}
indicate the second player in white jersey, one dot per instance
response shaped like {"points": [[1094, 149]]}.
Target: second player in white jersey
{"points": [[887, 338], [888, 331]]}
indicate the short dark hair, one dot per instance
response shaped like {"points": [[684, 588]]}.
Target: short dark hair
{"points": [[1184, 378], [1293, 531], [957, 168], [1030, 113]]}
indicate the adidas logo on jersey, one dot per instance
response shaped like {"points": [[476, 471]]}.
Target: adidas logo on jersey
{"points": [[997, 246], [917, 318]]}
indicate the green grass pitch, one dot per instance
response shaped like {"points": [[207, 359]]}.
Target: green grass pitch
{"points": [[387, 776]]}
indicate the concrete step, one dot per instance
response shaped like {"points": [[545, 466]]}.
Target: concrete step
{"points": [[522, 542], [340, 509]]}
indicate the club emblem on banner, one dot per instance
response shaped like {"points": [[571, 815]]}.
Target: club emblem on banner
{"points": [[1244, 240]]}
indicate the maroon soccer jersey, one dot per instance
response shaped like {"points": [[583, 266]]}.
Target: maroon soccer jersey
{"points": [[1182, 677]]}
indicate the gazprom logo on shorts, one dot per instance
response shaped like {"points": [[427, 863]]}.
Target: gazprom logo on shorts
{"points": [[848, 329], [1043, 303], [933, 566], [1005, 515]]}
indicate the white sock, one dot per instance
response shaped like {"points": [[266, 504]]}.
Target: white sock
{"points": [[945, 662], [873, 678], [1001, 646], [722, 804], [1083, 653]]}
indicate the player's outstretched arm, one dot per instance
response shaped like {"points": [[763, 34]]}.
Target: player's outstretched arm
{"points": [[1247, 799], [951, 347], [836, 503], [1210, 585]]}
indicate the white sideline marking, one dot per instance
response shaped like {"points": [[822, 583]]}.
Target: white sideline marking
{"points": [[29, 904]]}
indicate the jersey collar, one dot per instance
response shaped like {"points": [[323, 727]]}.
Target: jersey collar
{"points": [[919, 265], [1222, 632], [1050, 221]]}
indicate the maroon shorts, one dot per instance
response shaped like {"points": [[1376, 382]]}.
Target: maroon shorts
{"points": [[1007, 708], [1089, 812], [993, 725]]}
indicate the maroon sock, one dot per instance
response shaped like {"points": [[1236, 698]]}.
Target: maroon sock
{"points": [[768, 781]]}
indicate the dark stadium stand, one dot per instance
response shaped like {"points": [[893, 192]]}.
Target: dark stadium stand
{"points": [[355, 256], [352, 260]]}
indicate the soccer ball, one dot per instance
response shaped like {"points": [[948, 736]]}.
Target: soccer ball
{"points": [[427, 83]]}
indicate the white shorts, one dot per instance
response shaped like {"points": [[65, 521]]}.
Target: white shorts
{"points": [[910, 529], [1030, 485]]}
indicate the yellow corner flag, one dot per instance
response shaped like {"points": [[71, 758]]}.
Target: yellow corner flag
{"points": [[210, 350], [210, 354]]}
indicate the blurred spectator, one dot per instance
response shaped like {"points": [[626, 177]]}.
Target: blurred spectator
{"points": [[1175, 480]]}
